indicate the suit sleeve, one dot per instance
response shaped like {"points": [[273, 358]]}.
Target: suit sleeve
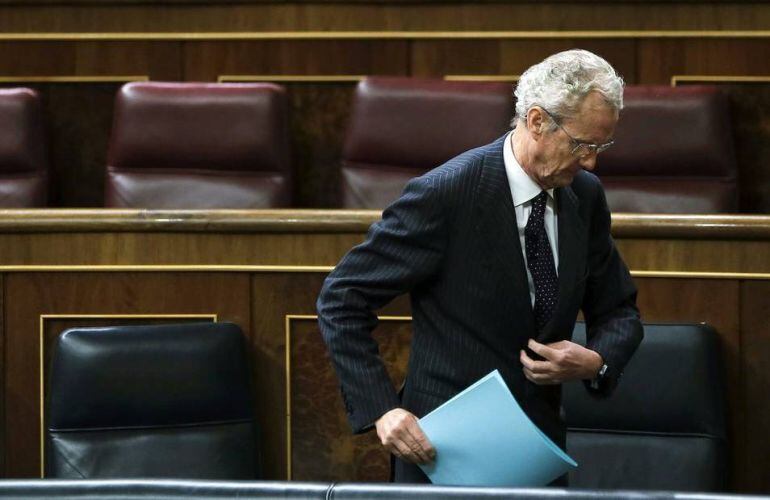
{"points": [[400, 251], [613, 325]]}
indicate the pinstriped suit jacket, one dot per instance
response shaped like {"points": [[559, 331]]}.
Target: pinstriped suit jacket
{"points": [[451, 240]]}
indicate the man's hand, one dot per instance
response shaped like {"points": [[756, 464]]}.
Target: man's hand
{"points": [[563, 361], [401, 435]]}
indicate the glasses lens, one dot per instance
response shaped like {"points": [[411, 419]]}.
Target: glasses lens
{"points": [[604, 147], [582, 150]]}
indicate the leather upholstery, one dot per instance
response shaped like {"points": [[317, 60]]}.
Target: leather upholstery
{"points": [[23, 154], [199, 145], [161, 489], [151, 401], [673, 153], [403, 127], [663, 427], [295, 490]]}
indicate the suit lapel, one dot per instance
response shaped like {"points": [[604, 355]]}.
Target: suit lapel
{"points": [[496, 226]]}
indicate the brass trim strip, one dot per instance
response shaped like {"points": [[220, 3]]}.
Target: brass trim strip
{"points": [[166, 268], [700, 275], [291, 78], [41, 368], [328, 269], [380, 35], [74, 79], [288, 320], [676, 79], [483, 78]]}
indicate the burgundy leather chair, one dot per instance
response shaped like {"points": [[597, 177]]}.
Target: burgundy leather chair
{"points": [[402, 127], [199, 145], [673, 153], [23, 153]]}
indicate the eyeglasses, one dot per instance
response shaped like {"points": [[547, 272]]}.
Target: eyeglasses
{"points": [[581, 149]]}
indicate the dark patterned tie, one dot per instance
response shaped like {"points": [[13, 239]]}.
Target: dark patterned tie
{"points": [[540, 262]]}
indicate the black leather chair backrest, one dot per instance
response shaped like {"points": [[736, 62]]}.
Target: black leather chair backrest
{"points": [[151, 401], [663, 427]]}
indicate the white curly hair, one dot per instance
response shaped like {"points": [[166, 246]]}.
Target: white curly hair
{"points": [[560, 83]]}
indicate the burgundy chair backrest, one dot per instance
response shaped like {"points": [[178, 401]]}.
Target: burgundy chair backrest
{"points": [[23, 150], [402, 127], [199, 145], [673, 153]]}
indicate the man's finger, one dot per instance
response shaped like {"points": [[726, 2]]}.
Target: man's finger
{"points": [[402, 451], [535, 366], [411, 434], [423, 447], [540, 378], [543, 350], [405, 442], [401, 435]]}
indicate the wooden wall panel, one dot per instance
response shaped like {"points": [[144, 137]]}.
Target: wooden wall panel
{"points": [[36, 58], [660, 59], [352, 16], [436, 58], [681, 254], [78, 120], [323, 448], [753, 392], [157, 59], [319, 122], [34, 294], [179, 249], [274, 296], [206, 61]]}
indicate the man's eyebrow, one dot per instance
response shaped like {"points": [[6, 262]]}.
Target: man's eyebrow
{"points": [[583, 141]]}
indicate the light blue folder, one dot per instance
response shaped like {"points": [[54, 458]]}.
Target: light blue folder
{"points": [[482, 437]]}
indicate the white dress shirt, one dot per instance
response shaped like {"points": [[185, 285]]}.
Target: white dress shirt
{"points": [[523, 191]]}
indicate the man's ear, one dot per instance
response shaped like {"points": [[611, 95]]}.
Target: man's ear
{"points": [[536, 122]]}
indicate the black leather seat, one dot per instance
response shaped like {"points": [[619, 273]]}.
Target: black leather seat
{"points": [[151, 401], [664, 426]]}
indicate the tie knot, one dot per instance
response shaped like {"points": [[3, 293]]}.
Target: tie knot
{"points": [[538, 203]]}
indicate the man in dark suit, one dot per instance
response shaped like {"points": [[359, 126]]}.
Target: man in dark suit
{"points": [[499, 248]]}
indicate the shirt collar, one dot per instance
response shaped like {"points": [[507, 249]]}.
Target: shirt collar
{"points": [[523, 188]]}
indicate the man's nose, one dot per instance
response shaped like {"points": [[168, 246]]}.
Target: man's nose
{"points": [[588, 162]]}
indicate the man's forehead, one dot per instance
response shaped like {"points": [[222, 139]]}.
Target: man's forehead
{"points": [[595, 124]]}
